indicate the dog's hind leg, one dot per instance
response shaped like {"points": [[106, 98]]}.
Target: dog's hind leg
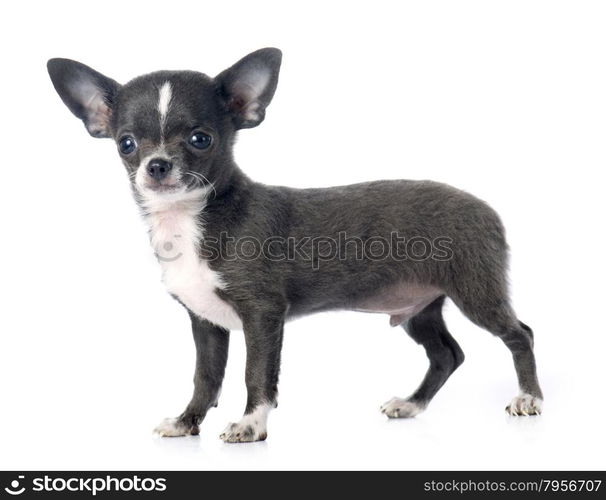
{"points": [[445, 356], [489, 308]]}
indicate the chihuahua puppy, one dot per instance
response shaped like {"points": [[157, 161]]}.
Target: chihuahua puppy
{"points": [[240, 255]]}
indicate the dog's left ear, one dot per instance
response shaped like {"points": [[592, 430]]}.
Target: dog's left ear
{"points": [[249, 85]]}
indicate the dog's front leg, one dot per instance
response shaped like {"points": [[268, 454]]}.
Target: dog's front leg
{"points": [[263, 331], [211, 357]]}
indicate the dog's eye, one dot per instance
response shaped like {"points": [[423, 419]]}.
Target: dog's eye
{"points": [[200, 140], [127, 145]]}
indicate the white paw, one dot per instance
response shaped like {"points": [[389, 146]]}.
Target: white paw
{"points": [[173, 427], [242, 433], [525, 405], [401, 408], [252, 427]]}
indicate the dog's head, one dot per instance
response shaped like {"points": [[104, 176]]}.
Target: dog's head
{"points": [[174, 129]]}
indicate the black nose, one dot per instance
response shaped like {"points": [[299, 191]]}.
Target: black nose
{"points": [[158, 168]]}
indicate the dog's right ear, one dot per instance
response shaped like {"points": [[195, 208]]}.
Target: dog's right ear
{"points": [[88, 94]]}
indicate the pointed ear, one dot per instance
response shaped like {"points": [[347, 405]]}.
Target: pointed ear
{"points": [[249, 85], [88, 94]]}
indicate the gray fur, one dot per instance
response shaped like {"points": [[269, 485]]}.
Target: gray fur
{"points": [[267, 293]]}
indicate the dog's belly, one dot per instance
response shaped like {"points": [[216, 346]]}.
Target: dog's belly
{"points": [[401, 301]]}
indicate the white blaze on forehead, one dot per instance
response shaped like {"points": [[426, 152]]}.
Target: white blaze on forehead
{"points": [[165, 95]]}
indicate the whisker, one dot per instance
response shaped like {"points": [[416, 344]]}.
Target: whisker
{"points": [[194, 181], [202, 180], [209, 183], [193, 175]]}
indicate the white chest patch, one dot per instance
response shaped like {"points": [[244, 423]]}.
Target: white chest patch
{"points": [[175, 236]]}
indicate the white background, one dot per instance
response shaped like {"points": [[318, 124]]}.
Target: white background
{"points": [[504, 99]]}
